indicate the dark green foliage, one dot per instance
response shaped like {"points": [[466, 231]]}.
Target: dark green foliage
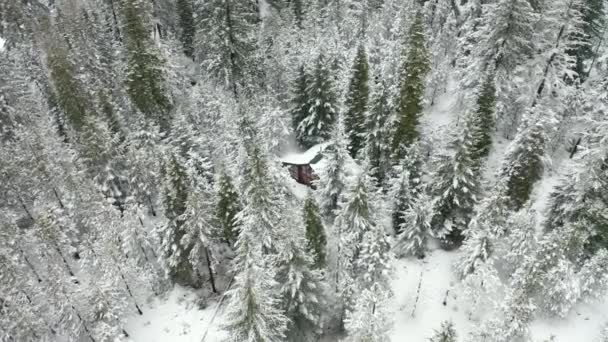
{"points": [[317, 126], [483, 122], [68, 90], [299, 102], [525, 165], [378, 139], [227, 207], [186, 21], [315, 232], [445, 334], [145, 79], [176, 191], [415, 67], [356, 103]]}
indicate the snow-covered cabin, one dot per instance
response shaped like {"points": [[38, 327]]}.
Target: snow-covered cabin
{"points": [[302, 165]]}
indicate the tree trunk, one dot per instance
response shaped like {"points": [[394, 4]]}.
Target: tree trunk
{"points": [[211, 277]]}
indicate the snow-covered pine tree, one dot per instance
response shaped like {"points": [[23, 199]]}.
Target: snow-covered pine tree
{"points": [[446, 333], [302, 289], [226, 37], [415, 228], [412, 79], [253, 312], [175, 253], [378, 129], [483, 122], [300, 105], [356, 104], [315, 232], [227, 207], [369, 320], [524, 163], [454, 194], [352, 224], [407, 187], [332, 183], [145, 80], [320, 120], [185, 11]]}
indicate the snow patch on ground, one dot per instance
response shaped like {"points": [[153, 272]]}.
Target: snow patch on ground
{"points": [[417, 321], [176, 317], [2, 42]]}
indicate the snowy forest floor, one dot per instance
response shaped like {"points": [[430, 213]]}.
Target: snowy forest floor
{"points": [[175, 317]]}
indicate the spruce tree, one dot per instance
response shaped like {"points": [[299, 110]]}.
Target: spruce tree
{"points": [[412, 79], [300, 106], [319, 122], [332, 181], [227, 208], [68, 89], [226, 37], [174, 251], [185, 13], [455, 194], [302, 289], [145, 79], [483, 122], [353, 225], [447, 333], [524, 164], [407, 187], [253, 309], [315, 232], [378, 131], [356, 103], [415, 229]]}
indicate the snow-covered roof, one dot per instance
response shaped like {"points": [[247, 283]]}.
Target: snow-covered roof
{"points": [[304, 158]]}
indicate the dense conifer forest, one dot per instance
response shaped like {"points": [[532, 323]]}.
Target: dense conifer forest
{"points": [[143, 150]]}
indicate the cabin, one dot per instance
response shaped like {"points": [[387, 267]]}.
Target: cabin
{"points": [[302, 165]]}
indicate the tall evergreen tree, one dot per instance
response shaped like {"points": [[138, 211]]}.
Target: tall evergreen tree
{"points": [[407, 187], [455, 194], [378, 130], [175, 250], [357, 103], [317, 126], [415, 229], [332, 181], [69, 94], [186, 22], [524, 165], [483, 122], [412, 80], [315, 232], [145, 76], [226, 37], [303, 290], [227, 208], [253, 309], [300, 106]]}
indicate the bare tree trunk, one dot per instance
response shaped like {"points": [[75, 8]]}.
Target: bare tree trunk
{"points": [[211, 277], [417, 294], [30, 265]]}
